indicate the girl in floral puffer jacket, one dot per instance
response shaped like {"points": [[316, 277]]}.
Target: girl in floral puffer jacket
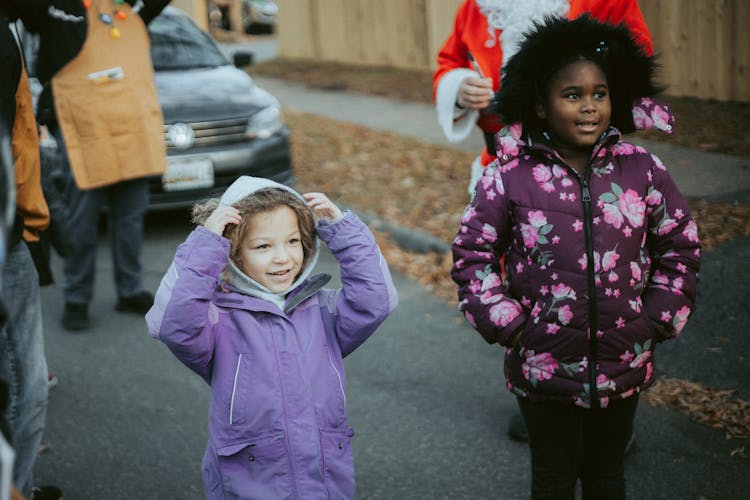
{"points": [[602, 254]]}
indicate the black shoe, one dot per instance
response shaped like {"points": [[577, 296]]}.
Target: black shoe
{"points": [[46, 493], [139, 303], [517, 428], [76, 317]]}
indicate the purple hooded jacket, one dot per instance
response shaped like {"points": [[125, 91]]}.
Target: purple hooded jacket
{"points": [[613, 251], [277, 419]]}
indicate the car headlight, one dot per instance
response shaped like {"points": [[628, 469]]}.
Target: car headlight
{"points": [[264, 123]]}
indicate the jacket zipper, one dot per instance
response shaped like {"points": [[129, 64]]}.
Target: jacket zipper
{"points": [[593, 315], [234, 388], [290, 453]]}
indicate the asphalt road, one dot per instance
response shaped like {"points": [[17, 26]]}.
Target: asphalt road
{"points": [[425, 396]]}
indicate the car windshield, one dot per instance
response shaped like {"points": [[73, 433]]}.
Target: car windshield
{"points": [[176, 43]]}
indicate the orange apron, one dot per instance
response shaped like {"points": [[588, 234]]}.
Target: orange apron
{"points": [[106, 102]]}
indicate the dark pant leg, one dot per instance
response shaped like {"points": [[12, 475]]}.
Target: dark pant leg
{"points": [[84, 209], [556, 444], [128, 201], [607, 431]]}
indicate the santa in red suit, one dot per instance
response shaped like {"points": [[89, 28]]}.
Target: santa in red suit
{"points": [[486, 33]]}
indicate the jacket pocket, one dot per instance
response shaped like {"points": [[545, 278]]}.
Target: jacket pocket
{"points": [[256, 470], [338, 462], [255, 400]]}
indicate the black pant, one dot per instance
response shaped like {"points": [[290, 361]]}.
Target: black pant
{"points": [[568, 442]]}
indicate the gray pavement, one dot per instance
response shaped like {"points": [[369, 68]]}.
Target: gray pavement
{"points": [[425, 395]]}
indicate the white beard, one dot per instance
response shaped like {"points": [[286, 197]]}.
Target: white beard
{"points": [[514, 18]]}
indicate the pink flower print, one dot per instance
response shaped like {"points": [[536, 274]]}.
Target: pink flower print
{"points": [[547, 187], [470, 318], [620, 322], [635, 304], [623, 148], [583, 261], [641, 119], [627, 357], [555, 240], [552, 329], [604, 383], [680, 319], [647, 101], [659, 278], [635, 271], [515, 131], [597, 262], [530, 235], [616, 293], [562, 291], [597, 220], [627, 231], [469, 214], [526, 301], [489, 234], [536, 310], [640, 359], [654, 197], [608, 292], [632, 207], [564, 315], [679, 214], [554, 276], [577, 226], [508, 145], [543, 290], [657, 162], [542, 173], [519, 267], [666, 316], [677, 283], [566, 182], [612, 277], [475, 286], [507, 167], [490, 281], [661, 119], [558, 171], [691, 231], [503, 313], [612, 215], [682, 268], [666, 225], [609, 259], [572, 197], [537, 218], [538, 367], [649, 371]]}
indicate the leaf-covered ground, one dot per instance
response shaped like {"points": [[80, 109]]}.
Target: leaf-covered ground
{"points": [[420, 186]]}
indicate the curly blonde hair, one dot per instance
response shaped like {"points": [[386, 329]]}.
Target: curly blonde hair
{"points": [[259, 202]]}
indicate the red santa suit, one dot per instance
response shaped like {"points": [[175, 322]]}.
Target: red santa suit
{"points": [[492, 31]]}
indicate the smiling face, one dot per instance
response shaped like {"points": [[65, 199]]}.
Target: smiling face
{"points": [[577, 110], [271, 252]]}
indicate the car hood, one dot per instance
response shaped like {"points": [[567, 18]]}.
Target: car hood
{"points": [[206, 94]]}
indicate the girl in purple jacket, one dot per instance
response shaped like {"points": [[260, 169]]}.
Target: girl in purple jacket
{"points": [[240, 308], [602, 254]]}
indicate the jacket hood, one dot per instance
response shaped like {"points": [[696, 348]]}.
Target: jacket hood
{"points": [[243, 187]]}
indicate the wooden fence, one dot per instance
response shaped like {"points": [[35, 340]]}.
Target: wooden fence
{"points": [[704, 45]]}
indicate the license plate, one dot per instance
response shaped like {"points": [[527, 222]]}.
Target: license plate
{"points": [[188, 173]]}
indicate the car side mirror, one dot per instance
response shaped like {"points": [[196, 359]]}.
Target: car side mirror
{"points": [[242, 59]]}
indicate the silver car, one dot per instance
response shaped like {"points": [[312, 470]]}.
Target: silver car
{"points": [[218, 124]]}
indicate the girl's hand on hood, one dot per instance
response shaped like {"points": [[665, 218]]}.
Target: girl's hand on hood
{"points": [[219, 218], [322, 207]]}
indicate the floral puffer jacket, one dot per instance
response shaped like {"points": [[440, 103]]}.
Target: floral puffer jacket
{"points": [[613, 252]]}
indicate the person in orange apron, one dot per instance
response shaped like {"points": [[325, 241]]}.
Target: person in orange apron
{"points": [[100, 103]]}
